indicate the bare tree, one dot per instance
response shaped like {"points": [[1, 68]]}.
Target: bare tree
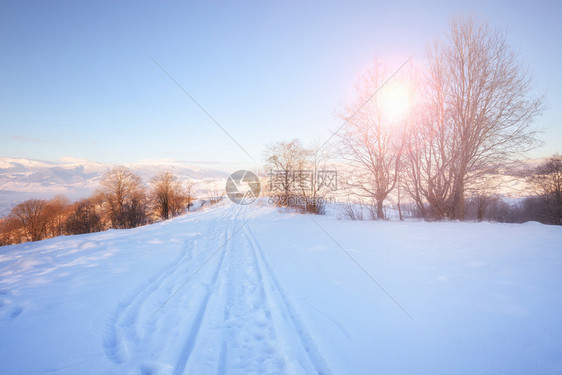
{"points": [[298, 176], [478, 116], [35, 219], [182, 197], [372, 143], [160, 194], [84, 218], [31, 217], [57, 211], [168, 195], [215, 194], [11, 231], [124, 198], [314, 185], [283, 159], [546, 182], [189, 194], [100, 207], [547, 179], [429, 161]]}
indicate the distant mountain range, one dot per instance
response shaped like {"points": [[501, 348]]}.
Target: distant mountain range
{"points": [[22, 179]]}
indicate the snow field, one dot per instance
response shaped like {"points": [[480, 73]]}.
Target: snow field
{"points": [[250, 290]]}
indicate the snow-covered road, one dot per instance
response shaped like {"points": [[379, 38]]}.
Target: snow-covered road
{"points": [[235, 318], [249, 290]]}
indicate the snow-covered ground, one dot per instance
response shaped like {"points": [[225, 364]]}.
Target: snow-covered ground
{"points": [[249, 290]]}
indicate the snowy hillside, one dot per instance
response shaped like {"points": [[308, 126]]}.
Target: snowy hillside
{"points": [[22, 179], [249, 290]]}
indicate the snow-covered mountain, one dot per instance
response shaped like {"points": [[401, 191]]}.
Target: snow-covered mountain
{"points": [[22, 179]]}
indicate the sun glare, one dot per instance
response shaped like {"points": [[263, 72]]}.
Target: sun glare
{"points": [[395, 101]]}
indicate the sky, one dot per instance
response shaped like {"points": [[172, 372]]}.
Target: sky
{"points": [[78, 80]]}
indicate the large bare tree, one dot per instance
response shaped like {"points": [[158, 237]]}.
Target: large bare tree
{"points": [[430, 147], [478, 116], [372, 142]]}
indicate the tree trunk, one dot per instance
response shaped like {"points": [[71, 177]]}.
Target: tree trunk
{"points": [[399, 209], [380, 212], [458, 202]]}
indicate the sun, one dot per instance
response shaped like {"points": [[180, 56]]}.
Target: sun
{"points": [[395, 101]]}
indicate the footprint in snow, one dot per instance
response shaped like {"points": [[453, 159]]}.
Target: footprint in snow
{"points": [[15, 312]]}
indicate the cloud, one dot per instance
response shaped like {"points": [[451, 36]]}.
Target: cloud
{"points": [[181, 162], [26, 139], [72, 159]]}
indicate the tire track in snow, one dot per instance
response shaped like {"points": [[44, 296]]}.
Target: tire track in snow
{"points": [[197, 323], [259, 332], [258, 328], [122, 327], [248, 334], [287, 310]]}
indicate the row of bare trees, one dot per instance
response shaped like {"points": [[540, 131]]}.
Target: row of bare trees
{"points": [[546, 182], [35, 219], [469, 118], [471, 113], [122, 201]]}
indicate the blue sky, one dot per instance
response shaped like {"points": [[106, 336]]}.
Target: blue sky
{"points": [[76, 79]]}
